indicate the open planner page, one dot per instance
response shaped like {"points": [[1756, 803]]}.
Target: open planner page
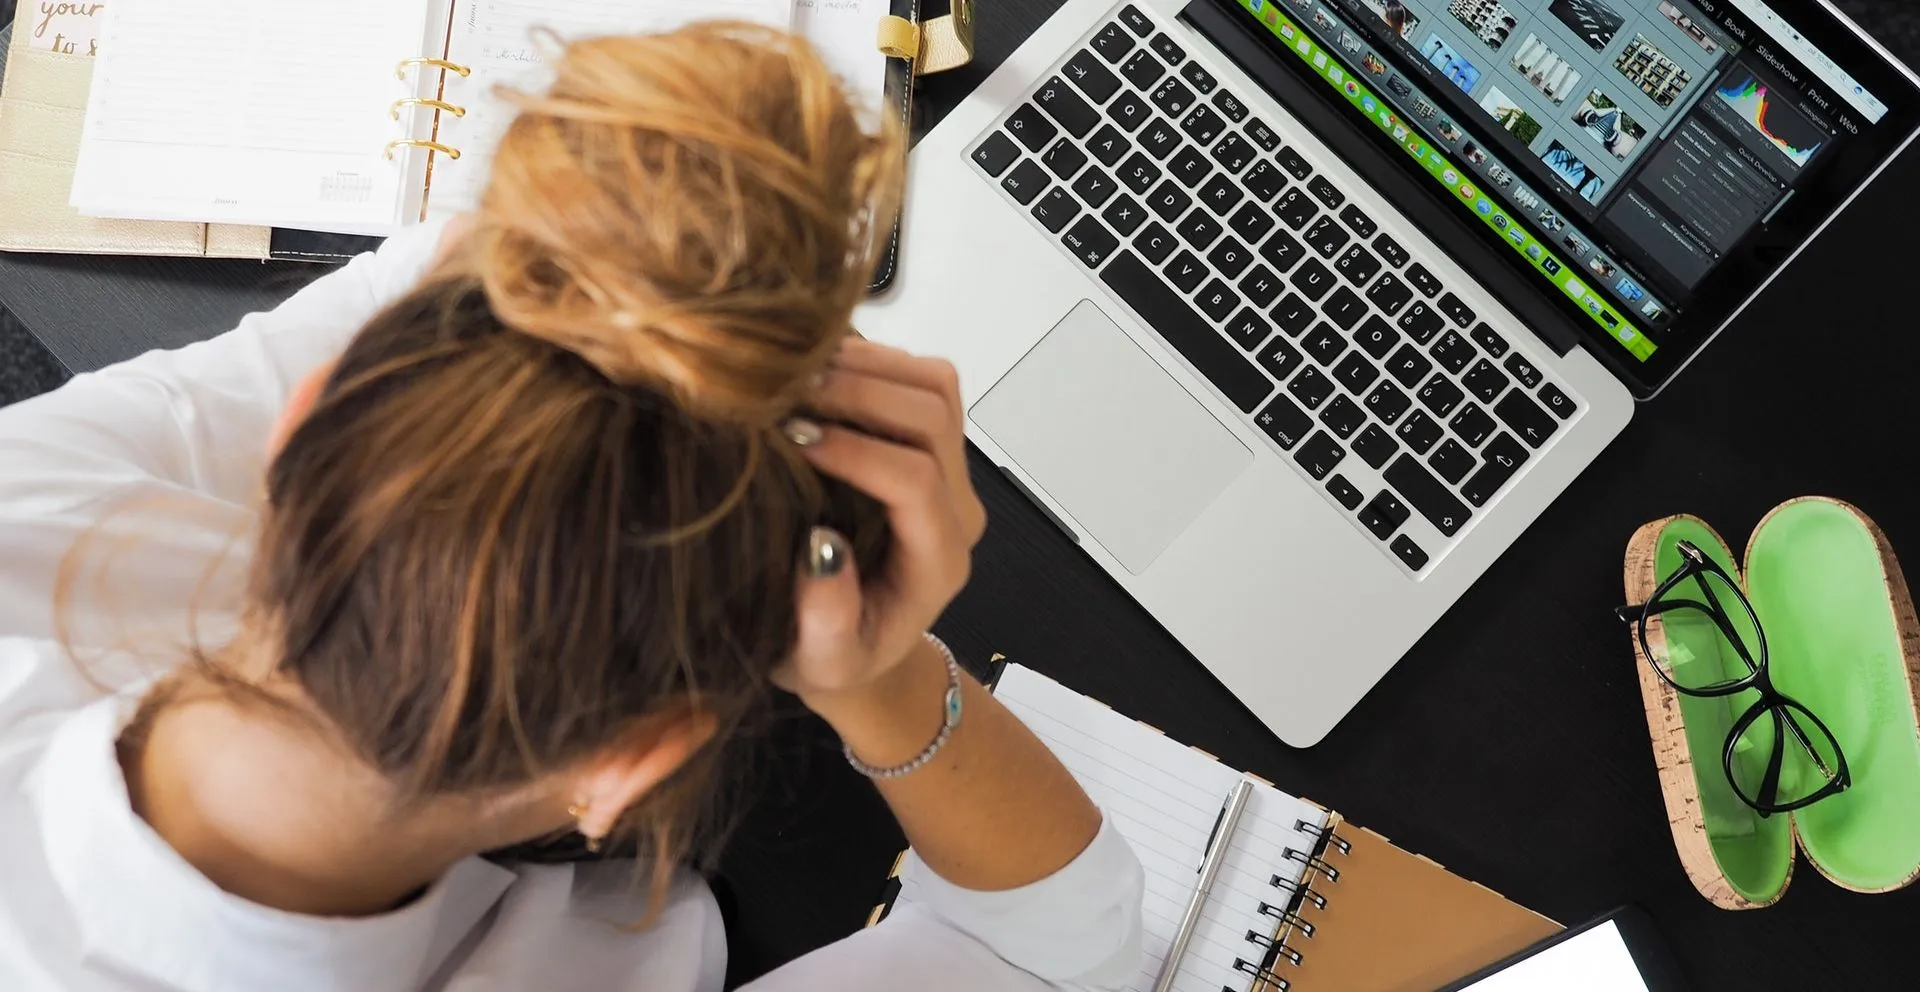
{"points": [[1164, 798], [243, 112], [846, 33]]}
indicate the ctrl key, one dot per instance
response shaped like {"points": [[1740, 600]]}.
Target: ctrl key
{"points": [[1384, 515]]}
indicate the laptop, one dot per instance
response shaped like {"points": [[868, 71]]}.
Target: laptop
{"points": [[1295, 313]]}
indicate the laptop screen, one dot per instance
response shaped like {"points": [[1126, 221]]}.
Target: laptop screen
{"points": [[1649, 162]]}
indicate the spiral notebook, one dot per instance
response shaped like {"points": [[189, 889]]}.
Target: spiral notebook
{"points": [[1303, 902]]}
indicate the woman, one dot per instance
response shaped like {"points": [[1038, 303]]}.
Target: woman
{"points": [[526, 556]]}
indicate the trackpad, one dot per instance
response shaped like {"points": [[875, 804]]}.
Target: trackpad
{"points": [[1109, 435]]}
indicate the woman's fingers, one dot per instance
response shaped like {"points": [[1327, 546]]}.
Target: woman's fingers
{"points": [[831, 606], [931, 553], [895, 410]]}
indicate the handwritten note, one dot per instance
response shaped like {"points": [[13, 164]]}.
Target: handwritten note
{"points": [[844, 32], [67, 28]]}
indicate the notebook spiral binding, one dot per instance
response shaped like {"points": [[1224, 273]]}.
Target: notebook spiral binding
{"points": [[402, 71], [1276, 949]]}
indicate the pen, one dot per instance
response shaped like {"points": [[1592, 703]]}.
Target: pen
{"points": [[1217, 845]]}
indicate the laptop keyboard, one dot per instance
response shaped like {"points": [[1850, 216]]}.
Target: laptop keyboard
{"points": [[1381, 385]]}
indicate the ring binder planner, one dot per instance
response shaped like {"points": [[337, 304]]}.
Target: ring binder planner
{"points": [[435, 146], [400, 71], [414, 101]]}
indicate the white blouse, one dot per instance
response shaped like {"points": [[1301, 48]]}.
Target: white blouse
{"points": [[156, 464]]}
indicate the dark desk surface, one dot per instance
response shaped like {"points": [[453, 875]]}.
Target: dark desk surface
{"points": [[1508, 745]]}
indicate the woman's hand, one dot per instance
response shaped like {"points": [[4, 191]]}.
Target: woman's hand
{"points": [[907, 449]]}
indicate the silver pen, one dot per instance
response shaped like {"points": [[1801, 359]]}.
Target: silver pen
{"points": [[1209, 870]]}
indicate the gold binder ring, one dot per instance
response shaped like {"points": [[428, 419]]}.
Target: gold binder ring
{"points": [[414, 101], [432, 146], [453, 67]]}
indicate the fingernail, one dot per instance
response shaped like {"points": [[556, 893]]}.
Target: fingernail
{"points": [[826, 553], [804, 432]]}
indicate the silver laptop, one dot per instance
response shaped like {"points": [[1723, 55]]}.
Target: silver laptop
{"points": [[1294, 313]]}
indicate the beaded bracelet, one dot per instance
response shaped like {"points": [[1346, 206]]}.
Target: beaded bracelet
{"points": [[950, 708]]}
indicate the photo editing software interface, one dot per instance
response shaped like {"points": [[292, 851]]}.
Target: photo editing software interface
{"points": [[1624, 148]]}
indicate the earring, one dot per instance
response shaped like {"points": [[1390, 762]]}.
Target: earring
{"points": [[579, 812]]}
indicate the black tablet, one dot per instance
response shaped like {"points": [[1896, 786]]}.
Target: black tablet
{"points": [[1619, 952]]}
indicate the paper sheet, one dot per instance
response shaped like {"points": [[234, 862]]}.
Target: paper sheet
{"points": [[846, 32], [67, 28]]}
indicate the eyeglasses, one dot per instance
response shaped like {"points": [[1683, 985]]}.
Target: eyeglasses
{"points": [[1778, 756]]}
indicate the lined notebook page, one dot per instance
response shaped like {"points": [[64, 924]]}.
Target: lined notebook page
{"points": [[846, 32], [243, 112], [1164, 798]]}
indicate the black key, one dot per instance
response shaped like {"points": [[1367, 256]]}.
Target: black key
{"points": [[1248, 329], [1361, 224], [1418, 486], [1344, 308], [1524, 371], [1094, 187], [1233, 153], [1503, 458], [1311, 387], [1390, 294], [1456, 310], [1130, 111], [1560, 403], [1343, 416], [1388, 403], [1453, 352], [1375, 446], [1409, 366], [1172, 97], [1419, 431], [1324, 344], [1441, 396], [1452, 461], [1390, 250], [1250, 222], [1231, 106], [1423, 280], [1292, 161], [1282, 251], [1142, 70], [1169, 52], [1279, 358], [1025, 181], [1421, 322], [1326, 236], [1376, 337], [1139, 173], [1356, 373], [1485, 381], [1055, 209], [1108, 144], [1159, 139], [1032, 127], [1409, 553], [1320, 455], [1218, 300], [1324, 190], [1199, 230], [1140, 23], [1202, 124], [1185, 272], [1112, 43], [1066, 106], [1221, 195], [1487, 338], [1296, 208], [1344, 492], [1169, 200], [996, 153], [1293, 314], [1384, 515], [1261, 286], [1216, 359], [1086, 72], [1064, 158], [1229, 257], [1313, 280], [1358, 265], [1533, 424], [1473, 425], [1089, 242], [1125, 214], [1261, 134], [1285, 422], [1155, 243], [1201, 79], [1264, 181]]}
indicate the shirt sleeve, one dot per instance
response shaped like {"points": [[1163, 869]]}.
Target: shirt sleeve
{"points": [[157, 462], [1076, 929]]}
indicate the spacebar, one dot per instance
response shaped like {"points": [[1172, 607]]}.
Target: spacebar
{"points": [[1190, 334]]}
